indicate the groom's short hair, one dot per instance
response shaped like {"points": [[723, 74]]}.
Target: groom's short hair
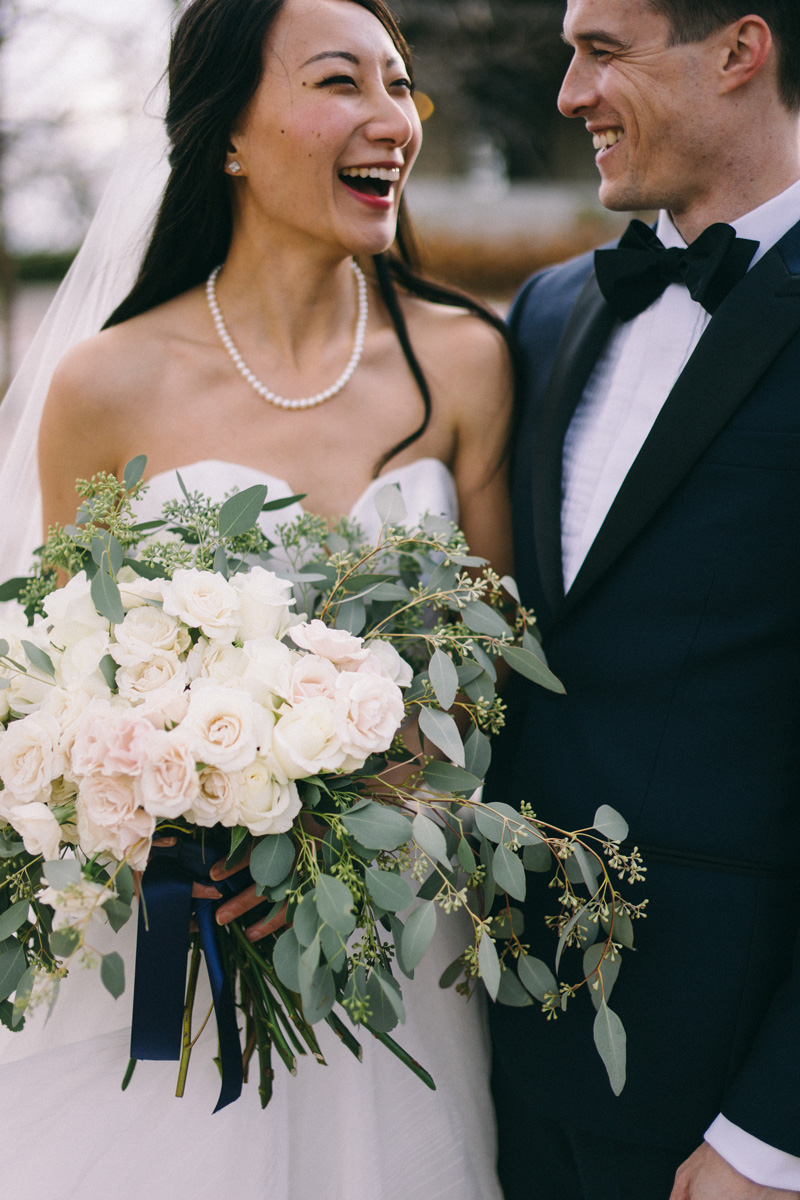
{"points": [[695, 20]]}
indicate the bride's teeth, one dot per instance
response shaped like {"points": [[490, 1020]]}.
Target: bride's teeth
{"points": [[386, 174]]}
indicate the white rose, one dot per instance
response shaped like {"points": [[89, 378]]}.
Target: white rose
{"points": [[28, 690], [110, 822], [76, 902], [168, 785], [30, 756], [136, 591], [162, 671], [308, 677], [305, 739], [264, 603], [69, 707], [38, 828], [78, 666], [218, 661], [222, 726], [267, 805], [113, 741], [335, 644], [73, 605], [146, 633], [369, 711], [384, 659], [163, 706], [217, 802], [267, 663], [203, 600]]}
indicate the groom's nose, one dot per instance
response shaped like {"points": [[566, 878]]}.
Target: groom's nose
{"points": [[578, 91]]}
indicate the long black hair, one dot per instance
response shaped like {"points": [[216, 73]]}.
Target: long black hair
{"points": [[215, 66]]}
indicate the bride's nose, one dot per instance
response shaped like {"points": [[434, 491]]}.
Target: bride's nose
{"points": [[389, 120]]}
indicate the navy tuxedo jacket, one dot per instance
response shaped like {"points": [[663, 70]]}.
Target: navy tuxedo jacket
{"points": [[679, 647]]}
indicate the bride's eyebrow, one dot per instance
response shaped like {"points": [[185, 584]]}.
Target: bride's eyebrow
{"points": [[390, 62]]}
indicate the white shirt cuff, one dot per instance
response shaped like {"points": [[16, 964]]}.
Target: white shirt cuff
{"points": [[754, 1159]]}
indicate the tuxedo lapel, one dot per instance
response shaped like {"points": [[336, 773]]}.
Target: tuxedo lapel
{"points": [[585, 335], [747, 333]]}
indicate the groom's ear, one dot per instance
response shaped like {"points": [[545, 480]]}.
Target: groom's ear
{"points": [[744, 48]]}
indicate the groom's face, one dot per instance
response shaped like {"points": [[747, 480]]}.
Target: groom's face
{"points": [[649, 106]]}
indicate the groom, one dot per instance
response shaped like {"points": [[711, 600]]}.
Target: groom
{"points": [[657, 513]]}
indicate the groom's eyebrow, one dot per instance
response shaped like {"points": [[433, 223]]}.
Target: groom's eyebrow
{"points": [[596, 35]]}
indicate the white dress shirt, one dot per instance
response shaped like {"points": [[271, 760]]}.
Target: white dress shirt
{"points": [[623, 397]]}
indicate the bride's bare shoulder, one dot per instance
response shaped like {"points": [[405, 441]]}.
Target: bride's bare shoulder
{"points": [[121, 364]]}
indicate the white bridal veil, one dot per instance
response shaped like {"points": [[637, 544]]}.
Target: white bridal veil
{"points": [[99, 279]]}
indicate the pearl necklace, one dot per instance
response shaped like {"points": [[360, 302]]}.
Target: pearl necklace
{"points": [[255, 382]]}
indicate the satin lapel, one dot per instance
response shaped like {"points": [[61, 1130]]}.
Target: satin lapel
{"points": [[585, 335], [747, 333]]}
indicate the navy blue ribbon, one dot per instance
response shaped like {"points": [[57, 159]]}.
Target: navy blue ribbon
{"points": [[162, 947]]}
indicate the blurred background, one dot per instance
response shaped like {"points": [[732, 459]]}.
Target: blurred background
{"points": [[504, 184]]}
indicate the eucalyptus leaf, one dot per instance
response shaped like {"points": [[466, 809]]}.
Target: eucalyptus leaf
{"points": [[106, 598], [390, 505], [511, 587], [22, 997], [448, 779], [318, 995], [489, 965], [60, 872], [501, 823], [482, 689], [284, 502], [221, 562], [489, 886], [118, 913], [39, 659], [112, 973], [134, 470], [511, 992], [451, 974], [537, 856], [64, 942], [611, 1042], [351, 616], [441, 729], [597, 962], [478, 753], [124, 883], [388, 889], [12, 918], [567, 930], [10, 590], [609, 822], [589, 868], [444, 677], [467, 560], [334, 947], [525, 663], [430, 839], [480, 618], [378, 826], [509, 922], [419, 930], [241, 512], [239, 834], [483, 660], [509, 873], [536, 977], [466, 856], [108, 669], [12, 968], [306, 920], [335, 904], [286, 959], [271, 860]]}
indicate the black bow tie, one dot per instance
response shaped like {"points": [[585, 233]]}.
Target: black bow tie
{"points": [[641, 268]]}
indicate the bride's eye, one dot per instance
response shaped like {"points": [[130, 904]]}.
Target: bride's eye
{"points": [[405, 84], [336, 79]]}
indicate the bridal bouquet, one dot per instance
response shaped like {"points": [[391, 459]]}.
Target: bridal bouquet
{"points": [[198, 691]]}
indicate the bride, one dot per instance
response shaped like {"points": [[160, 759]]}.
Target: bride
{"points": [[270, 337]]}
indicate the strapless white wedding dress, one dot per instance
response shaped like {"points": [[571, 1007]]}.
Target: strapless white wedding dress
{"points": [[348, 1131]]}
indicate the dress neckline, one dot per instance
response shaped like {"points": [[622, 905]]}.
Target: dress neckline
{"points": [[283, 486]]}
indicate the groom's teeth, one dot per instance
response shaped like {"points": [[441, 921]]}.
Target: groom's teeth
{"points": [[387, 175], [609, 137]]}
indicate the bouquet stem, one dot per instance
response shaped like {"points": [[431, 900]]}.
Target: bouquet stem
{"points": [[191, 991]]}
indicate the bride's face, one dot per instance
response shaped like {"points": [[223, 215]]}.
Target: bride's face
{"points": [[331, 134]]}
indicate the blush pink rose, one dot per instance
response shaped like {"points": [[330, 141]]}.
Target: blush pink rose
{"points": [[337, 645], [111, 741], [369, 711]]}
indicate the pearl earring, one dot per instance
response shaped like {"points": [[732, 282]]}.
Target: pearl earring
{"points": [[234, 167]]}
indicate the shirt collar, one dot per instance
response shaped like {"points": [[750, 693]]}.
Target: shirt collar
{"points": [[766, 224]]}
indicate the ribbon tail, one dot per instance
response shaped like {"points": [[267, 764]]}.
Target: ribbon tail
{"points": [[230, 1049], [162, 946]]}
